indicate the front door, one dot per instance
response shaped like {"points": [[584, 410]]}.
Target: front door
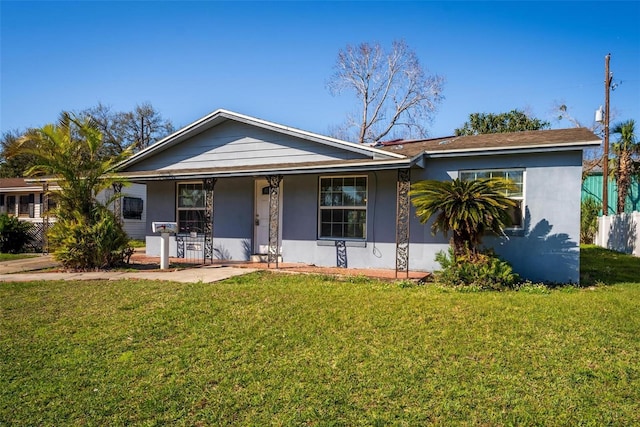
{"points": [[261, 220]]}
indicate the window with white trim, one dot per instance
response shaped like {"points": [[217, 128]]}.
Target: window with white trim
{"points": [[516, 176], [343, 208], [191, 208]]}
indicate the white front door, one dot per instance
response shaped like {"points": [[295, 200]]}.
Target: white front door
{"points": [[261, 220]]}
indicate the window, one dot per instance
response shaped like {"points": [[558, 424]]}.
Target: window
{"points": [[11, 205], [343, 207], [516, 176], [132, 207], [3, 208], [191, 209], [25, 205]]}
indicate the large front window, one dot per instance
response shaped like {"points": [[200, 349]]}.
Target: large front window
{"points": [[191, 209], [343, 207], [516, 176]]}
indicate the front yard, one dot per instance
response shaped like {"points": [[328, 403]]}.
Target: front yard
{"points": [[276, 349]]}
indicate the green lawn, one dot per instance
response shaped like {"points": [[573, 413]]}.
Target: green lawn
{"points": [[11, 257], [269, 349]]}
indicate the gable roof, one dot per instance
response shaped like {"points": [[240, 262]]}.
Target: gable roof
{"points": [[495, 143], [221, 116]]}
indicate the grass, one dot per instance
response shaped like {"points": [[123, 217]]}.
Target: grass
{"points": [[269, 349], [11, 257], [137, 243], [602, 266]]}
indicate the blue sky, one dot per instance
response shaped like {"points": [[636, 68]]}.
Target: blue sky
{"points": [[272, 59]]}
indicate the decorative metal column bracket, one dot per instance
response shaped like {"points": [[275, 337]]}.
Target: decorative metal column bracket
{"points": [[274, 218], [45, 217], [341, 254], [208, 184], [117, 202], [180, 246], [402, 221]]}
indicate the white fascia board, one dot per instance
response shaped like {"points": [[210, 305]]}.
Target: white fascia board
{"points": [[372, 165], [20, 189], [186, 131], [571, 146]]}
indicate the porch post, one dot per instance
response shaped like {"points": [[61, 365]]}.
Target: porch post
{"points": [[402, 221], [274, 218], [117, 203], [45, 216], [208, 184]]}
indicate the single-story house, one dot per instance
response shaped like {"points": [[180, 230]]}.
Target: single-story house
{"points": [[247, 186], [25, 199]]}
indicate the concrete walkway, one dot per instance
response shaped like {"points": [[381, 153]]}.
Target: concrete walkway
{"points": [[145, 267], [38, 262], [26, 270]]}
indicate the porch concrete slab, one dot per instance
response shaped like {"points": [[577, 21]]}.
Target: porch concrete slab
{"points": [[192, 275]]}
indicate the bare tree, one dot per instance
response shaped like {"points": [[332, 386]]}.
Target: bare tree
{"points": [[592, 156], [393, 89], [138, 128]]}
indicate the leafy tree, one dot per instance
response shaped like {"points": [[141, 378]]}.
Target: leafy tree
{"points": [[69, 152], [589, 209], [12, 163], [392, 88], [513, 121], [468, 209], [138, 128], [625, 163]]}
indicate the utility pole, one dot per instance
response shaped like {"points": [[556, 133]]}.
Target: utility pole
{"points": [[608, 77]]}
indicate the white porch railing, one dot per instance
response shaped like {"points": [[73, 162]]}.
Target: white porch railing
{"points": [[620, 232]]}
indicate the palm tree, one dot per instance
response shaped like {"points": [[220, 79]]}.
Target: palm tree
{"points": [[624, 165], [85, 234], [467, 208], [70, 152]]}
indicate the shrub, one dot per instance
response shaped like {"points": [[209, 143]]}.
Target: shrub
{"points": [[589, 209], [14, 234], [479, 271], [96, 242]]}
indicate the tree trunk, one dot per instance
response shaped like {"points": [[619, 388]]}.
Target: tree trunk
{"points": [[624, 179]]}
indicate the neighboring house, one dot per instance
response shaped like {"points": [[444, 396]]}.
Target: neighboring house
{"points": [[25, 199], [592, 187], [22, 199], [246, 186]]}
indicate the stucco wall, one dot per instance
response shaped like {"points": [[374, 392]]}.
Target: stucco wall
{"points": [[300, 222], [546, 249]]}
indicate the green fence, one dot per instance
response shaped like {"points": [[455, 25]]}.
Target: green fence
{"points": [[592, 187]]}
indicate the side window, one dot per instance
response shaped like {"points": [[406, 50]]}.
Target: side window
{"points": [[132, 207], [516, 176]]}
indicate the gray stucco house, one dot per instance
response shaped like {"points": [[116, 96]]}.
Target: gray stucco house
{"points": [[246, 186]]}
